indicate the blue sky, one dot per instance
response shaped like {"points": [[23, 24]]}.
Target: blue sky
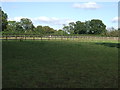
{"points": [[55, 14]]}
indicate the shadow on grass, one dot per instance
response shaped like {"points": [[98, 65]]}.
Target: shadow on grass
{"points": [[117, 45]]}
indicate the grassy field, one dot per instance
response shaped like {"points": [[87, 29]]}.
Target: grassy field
{"points": [[62, 64]]}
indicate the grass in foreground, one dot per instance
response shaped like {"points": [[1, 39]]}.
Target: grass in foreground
{"points": [[44, 64]]}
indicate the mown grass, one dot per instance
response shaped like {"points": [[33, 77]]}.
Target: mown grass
{"points": [[59, 64]]}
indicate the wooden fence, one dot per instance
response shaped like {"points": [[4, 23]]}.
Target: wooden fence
{"points": [[38, 37]]}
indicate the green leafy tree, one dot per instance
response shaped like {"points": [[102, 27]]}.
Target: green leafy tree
{"points": [[48, 30], [44, 30], [11, 26], [14, 27], [39, 29], [4, 20], [87, 26], [66, 29], [27, 24], [19, 27], [97, 27], [113, 32], [71, 27], [79, 28], [60, 32]]}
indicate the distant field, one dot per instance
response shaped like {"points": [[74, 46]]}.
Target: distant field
{"points": [[63, 64]]}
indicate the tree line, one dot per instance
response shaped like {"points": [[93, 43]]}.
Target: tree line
{"points": [[25, 26], [94, 26]]}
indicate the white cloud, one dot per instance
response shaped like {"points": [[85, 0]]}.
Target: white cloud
{"points": [[89, 5], [115, 19], [16, 18], [52, 20], [112, 27], [44, 19]]}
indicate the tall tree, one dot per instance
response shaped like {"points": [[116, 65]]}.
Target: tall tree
{"points": [[14, 26], [87, 26], [48, 30], [19, 27], [71, 27], [27, 24], [97, 26], [11, 26], [79, 28], [4, 20], [60, 32], [39, 29], [66, 29]]}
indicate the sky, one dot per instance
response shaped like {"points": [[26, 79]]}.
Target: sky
{"points": [[56, 14]]}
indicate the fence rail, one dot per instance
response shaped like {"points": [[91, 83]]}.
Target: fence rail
{"points": [[38, 37]]}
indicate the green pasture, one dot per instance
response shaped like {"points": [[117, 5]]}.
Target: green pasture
{"points": [[59, 64]]}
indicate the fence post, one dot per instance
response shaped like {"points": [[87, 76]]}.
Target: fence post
{"points": [[21, 39], [48, 38], [25, 37], [61, 38], [6, 37], [55, 37], [33, 37], [41, 38], [16, 37]]}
